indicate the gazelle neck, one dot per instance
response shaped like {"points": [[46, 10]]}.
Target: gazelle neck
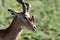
{"points": [[15, 28], [16, 23]]}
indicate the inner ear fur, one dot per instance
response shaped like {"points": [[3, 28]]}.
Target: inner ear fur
{"points": [[32, 18]]}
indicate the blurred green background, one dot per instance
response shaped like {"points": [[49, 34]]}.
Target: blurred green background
{"points": [[47, 18]]}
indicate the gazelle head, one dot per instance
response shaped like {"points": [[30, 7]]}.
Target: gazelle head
{"points": [[27, 21]]}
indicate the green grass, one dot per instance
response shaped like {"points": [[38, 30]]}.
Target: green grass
{"points": [[46, 18]]}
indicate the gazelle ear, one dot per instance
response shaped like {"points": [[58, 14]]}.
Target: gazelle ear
{"points": [[33, 18], [12, 12]]}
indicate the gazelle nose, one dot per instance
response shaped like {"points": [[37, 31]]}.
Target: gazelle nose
{"points": [[34, 28], [20, 1]]}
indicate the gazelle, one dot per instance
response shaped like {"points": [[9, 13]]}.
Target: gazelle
{"points": [[22, 19]]}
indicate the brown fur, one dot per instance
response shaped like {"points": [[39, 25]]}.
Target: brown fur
{"points": [[14, 30]]}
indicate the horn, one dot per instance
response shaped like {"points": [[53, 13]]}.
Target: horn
{"points": [[26, 6], [23, 5]]}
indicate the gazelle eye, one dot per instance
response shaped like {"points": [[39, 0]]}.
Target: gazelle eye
{"points": [[24, 17]]}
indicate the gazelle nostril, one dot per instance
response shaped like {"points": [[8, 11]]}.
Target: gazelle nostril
{"points": [[34, 27], [8, 9]]}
